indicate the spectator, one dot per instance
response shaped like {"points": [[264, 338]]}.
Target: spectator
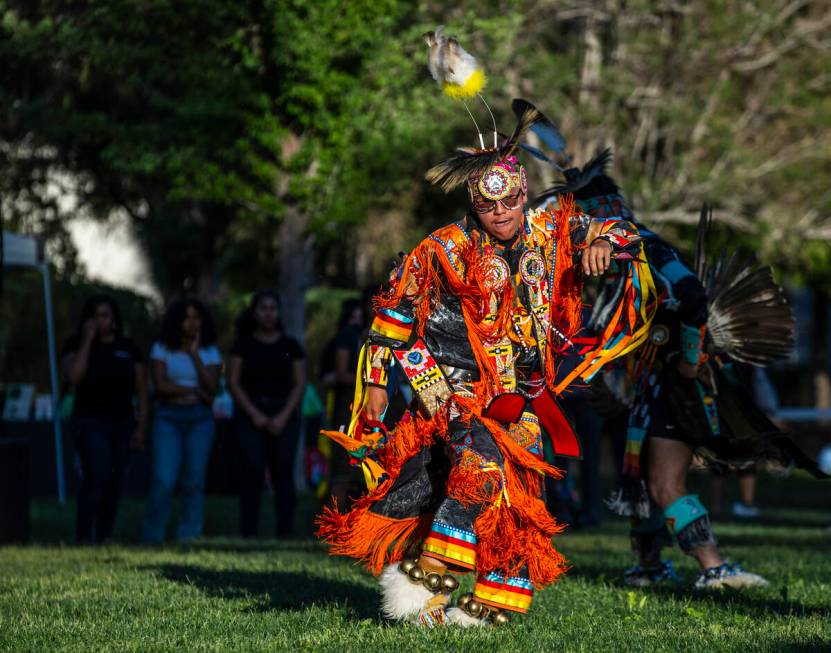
{"points": [[106, 371], [266, 377], [185, 372]]}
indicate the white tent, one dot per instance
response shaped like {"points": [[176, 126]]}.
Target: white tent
{"points": [[26, 251]]}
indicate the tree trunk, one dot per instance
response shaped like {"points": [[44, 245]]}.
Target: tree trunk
{"points": [[296, 261]]}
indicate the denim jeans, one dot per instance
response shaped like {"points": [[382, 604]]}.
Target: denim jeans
{"points": [[103, 447], [181, 447], [259, 448]]}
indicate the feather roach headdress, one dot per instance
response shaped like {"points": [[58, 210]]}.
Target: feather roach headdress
{"points": [[492, 173], [472, 163]]}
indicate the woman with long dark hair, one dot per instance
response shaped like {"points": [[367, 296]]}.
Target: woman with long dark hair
{"points": [[106, 371], [266, 377], [185, 371]]}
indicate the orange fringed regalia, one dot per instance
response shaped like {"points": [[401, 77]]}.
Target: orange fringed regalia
{"points": [[478, 328]]}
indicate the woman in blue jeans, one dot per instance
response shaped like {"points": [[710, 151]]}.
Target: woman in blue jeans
{"points": [[106, 371], [266, 377], [185, 372]]}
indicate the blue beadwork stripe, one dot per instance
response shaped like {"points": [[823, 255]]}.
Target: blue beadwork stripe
{"points": [[515, 581], [396, 315], [452, 531]]}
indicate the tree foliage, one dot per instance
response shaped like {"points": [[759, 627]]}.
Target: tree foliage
{"points": [[251, 142]]}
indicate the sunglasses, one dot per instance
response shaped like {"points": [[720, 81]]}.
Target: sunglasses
{"points": [[482, 205]]}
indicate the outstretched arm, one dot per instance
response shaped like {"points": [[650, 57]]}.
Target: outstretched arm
{"points": [[603, 239]]}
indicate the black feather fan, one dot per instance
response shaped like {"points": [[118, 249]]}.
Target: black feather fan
{"points": [[748, 313]]}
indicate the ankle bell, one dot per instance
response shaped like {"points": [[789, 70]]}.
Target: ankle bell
{"points": [[478, 610], [433, 581]]}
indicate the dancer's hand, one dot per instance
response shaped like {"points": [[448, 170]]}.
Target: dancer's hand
{"points": [[376, 403], [597, 257]]}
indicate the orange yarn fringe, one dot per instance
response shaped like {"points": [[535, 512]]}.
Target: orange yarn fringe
{"points": [[369, 537], [470, 485], [566, 298], [511, 536]]}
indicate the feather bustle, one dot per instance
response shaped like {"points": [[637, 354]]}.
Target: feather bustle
{"points": [[748, 314]]}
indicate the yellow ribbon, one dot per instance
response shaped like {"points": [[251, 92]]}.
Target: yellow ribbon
{"points": [[372, 471], [493, 467]]}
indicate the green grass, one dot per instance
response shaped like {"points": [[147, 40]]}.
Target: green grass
{"points": [[226, 594]]}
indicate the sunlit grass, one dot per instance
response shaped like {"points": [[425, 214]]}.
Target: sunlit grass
{"points": [[227, 594]]}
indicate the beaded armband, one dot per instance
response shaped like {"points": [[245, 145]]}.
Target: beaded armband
{"points": [[692, 340], [392, 325], [379, 363]]}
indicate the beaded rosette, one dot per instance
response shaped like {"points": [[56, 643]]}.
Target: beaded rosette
{"points": [[501, 180]]}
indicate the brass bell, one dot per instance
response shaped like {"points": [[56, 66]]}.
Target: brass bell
{"points": [[432, 581], [416, 574], [501, 619], [449, 584], [474, 608], [464, 599], [406, 565]]}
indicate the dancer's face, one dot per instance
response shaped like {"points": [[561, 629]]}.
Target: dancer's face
{"points": [[501, 218]]}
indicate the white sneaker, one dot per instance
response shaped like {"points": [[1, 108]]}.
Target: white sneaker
{"points": [[744, 511], [728, 575]]}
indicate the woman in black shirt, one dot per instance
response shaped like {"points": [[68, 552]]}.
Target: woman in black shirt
{"points": [[107, 371], [266, 377]]}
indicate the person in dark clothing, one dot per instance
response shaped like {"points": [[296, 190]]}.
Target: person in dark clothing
{"points": [[107, 371], [266, 378]]}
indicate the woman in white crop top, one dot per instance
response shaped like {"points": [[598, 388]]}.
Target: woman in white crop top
{"points": [[185, 370]]}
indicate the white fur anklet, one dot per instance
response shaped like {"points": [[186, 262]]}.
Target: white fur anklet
{"points": [[401, 599]]}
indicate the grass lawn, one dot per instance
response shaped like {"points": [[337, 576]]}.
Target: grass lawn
{"points": [[227, 594]]}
